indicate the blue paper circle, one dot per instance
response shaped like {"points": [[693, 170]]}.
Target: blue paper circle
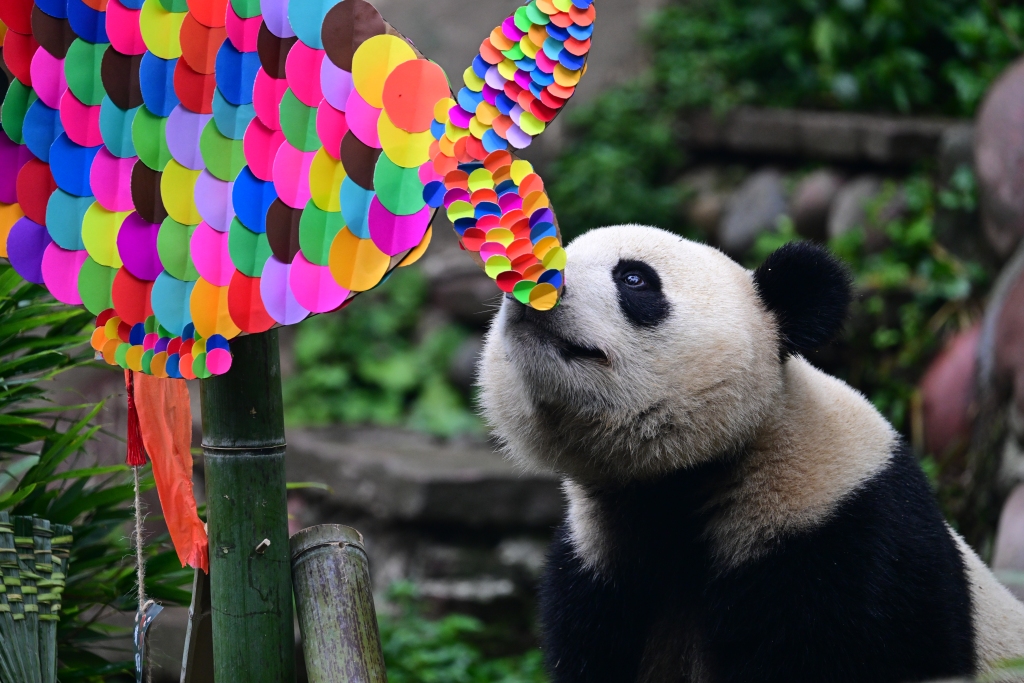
{"points": [[116, 128], [355, 207], [55, 8], [306, 18], [70, 164], [156, 80], [41, 127], [231, 119], [86, 22], [252, 198], [236, 73], [170, 300], [64, 215]]}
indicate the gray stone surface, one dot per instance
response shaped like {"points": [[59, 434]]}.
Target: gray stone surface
{"points": [[754, 208], [812, 200], [405, 476], [821, 136], [999, 160], [849, 209]]}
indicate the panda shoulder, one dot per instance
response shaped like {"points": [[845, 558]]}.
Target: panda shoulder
{"points": [[826, 442]]}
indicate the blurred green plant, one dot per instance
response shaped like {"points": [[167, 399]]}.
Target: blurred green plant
{"points": [[445, 650], [377, 363], [45, 471]]}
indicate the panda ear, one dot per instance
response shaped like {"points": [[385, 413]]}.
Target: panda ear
{"points": [[808, 290]]}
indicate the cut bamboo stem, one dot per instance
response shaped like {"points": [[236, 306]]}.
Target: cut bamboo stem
{"points": [[41, 537], [26, 569], [10, 604], [250, 569]]}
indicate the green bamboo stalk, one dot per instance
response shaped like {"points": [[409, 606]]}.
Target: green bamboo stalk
{"points": [[42, 538], [29, 593], [60, 553], [10, 661], [17, 653], [334, 600], [250, 569]]}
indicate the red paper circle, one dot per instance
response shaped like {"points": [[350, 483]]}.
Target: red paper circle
{"points": [[35, 185], [245, 304], [131, 297], [195, 90]]}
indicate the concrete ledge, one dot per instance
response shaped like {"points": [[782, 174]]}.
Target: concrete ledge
{"points": [[824, 136], [404, 476]]}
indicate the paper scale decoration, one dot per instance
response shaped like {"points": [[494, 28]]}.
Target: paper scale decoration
{"points": [[192, 170]]}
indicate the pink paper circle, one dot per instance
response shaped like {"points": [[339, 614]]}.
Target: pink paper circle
{"points": [[331, 126], [60, 272], [210, 255], [362, 119], [213, 201], [278, 298], [261, 144], [136, 245], [314, 286], [218, 361], [111, 181], [12, 158], [81, 122], [123, 30], [266, 98], [489, 249], [291, 175], [428, 174], [48, 78], [394, 234], [184, 129], [335, 84], [303, 73], [275, 14], [242, 33]]}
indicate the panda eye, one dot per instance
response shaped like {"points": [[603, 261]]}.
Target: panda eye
{"points": [[634, 280]]}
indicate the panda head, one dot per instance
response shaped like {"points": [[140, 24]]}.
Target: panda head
{"points": [[663, 353]]}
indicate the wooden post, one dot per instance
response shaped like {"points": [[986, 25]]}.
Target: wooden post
{"points": [[250, 569], [340, 641]]}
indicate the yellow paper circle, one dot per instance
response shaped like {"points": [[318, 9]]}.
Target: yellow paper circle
{"points": [[530, 124], [481, 179], [544, 296], [487, 113], [502, 236], [520, 169], [566, 78], [325, 176], [442, 108], [99, 234], [528, 48], [177, 187], [134, 358], [9, 215], [373, 61], [110, 327], [477, 129], [209, 307], [554, 259], [408, 150], [414, 255], [507, 68], [460, 209], [453, 132], [357, 265], [472, 81], [496, 265], [158, 365], [161, 29], [544, 246]]}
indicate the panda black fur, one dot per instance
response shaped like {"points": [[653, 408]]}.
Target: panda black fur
{"points": [[734, 513]]}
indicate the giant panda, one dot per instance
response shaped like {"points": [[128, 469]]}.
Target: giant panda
{"points": [[734, 514]]}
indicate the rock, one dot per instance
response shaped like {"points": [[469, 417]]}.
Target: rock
{"points": [[405, 476], [812, 201], [705, 212], [999, 160], [462, 371], [948, 394], [1008, 557], [849, 209], [754, 208]]}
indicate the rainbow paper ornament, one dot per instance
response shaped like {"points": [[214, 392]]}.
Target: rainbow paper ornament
{"points": [[190, 171]]}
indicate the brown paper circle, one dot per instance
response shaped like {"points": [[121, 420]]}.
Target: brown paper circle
{"points": [[53, 34], [146, 193], [283, 230], [273, 51], [359, 160], [120, 74], [347, 26]]}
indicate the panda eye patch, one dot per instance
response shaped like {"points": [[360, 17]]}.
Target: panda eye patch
{"points": [[640, 296]]}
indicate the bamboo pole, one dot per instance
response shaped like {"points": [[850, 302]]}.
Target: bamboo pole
{"points": [[42, 537], [340, 641], [250, 570]]}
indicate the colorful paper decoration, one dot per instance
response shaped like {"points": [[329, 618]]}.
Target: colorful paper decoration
{"points": [[192, 171]]}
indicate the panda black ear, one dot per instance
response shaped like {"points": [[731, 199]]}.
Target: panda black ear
{"points": [[808, 290]]}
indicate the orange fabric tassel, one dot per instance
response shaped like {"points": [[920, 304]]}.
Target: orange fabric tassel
{"points": [[165, 417]]}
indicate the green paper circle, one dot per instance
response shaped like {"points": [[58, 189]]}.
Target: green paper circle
{"points": [[150, 324], [298, 123], [521, 291], [12, 115], [317, 229], [164, 332], [224, 157], [398, 189], [515, 53], [522, 19], [82, 71], [199, 366], [249, 250], [147, 360], [149, 140], [536, 15], [121, 354], [176, 6], [246, 9], [172, 244], [95, 282]]}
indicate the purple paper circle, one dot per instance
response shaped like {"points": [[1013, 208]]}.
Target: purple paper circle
{"points": [[136, 244], [26, 244], [278, 298], [213, 201], [336, 84], [184, 128], [12, 158], [394, 234], [275, 16]]}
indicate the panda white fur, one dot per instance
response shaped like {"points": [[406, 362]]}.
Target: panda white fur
{"points": [[734, 513]]}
